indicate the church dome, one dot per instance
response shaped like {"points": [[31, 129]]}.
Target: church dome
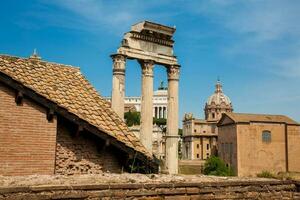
{"points": [[218, 97], [217, 104]]}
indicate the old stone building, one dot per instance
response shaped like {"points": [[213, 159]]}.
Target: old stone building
{"points": [[252, 143], [200, 135], [52, 121]]}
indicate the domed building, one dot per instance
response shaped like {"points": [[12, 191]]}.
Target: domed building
{"points": [[217, 104], [200, 136]]}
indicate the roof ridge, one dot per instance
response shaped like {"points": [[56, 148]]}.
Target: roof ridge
{"points": [[41, 61], [257, 114]]}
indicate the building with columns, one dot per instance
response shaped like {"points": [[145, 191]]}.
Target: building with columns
{"points": [[160, 105], [150, 44], [200, 135], [160, 102]]}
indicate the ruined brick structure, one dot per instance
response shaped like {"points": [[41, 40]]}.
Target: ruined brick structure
{"points": [[52, 121], [82, 154]]}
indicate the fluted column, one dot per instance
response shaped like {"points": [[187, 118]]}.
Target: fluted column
{"points": [[172, 120], [147, 103], [118, 84]]}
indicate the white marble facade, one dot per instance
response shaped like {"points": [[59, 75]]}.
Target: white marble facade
{"points": [[160, 102]]}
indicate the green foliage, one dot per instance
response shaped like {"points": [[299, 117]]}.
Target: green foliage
{"points": [[266, 174], [159, 121], [215, 166], [180, 132], [132, 118]]}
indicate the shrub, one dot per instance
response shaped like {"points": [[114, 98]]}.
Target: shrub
{"points": [[132, 118], [215, 166], [266, 174]]}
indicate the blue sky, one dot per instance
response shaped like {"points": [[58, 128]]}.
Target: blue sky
{"points": [[253, 46]]}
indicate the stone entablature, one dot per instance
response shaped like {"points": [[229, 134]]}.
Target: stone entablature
{"points": [[149, 41], [151, 38]]}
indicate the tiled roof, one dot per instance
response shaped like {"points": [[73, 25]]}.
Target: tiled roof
{"points": [[247, 118], [69, 89]]}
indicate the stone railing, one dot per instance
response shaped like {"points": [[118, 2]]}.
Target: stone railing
{"points": [[183, 191]]}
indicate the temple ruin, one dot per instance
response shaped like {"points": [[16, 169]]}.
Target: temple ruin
{"points": [[150, 43]]}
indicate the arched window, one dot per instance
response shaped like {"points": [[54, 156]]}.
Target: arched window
{"points": [[266, 136]]}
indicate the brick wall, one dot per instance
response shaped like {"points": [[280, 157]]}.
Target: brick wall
{"points": [[27, 138], [255, 155], [293, 148], [83, 153]]}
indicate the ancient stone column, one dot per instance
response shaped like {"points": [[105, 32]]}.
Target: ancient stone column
{"points": [[118, 84], [172, 120], [147, 103]]}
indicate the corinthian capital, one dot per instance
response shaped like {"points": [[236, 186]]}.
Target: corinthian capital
{"points": [[173, 72], [147, 67], [119, 63]]}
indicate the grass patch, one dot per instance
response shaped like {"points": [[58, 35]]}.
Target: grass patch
{"points": [[266, 174]]}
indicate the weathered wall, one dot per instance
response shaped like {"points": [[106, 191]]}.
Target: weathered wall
{"points": [[254, 155], [83, 153], [191, 166], [27, 138], [227, 146], [155, 191], [294, 148]]}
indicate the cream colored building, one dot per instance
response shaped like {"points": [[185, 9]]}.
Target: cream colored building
{"points": [[252, 143], [200, 135], [158, 140], [160, 102]]}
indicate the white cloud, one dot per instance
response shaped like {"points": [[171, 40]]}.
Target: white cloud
{"points": [[100, 15], [265, 31]]}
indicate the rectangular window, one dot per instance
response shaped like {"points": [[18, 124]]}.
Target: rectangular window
{"points": [[266, 136], [207, 146], [197, 146], [197, 155], [213, 129]]}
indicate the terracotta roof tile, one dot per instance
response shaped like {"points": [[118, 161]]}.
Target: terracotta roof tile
{"points": [[68, 88]]}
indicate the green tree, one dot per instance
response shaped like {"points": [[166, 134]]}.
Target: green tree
{"points": [[180, 132], [132, 118], [215, 166], [161, 123]]}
